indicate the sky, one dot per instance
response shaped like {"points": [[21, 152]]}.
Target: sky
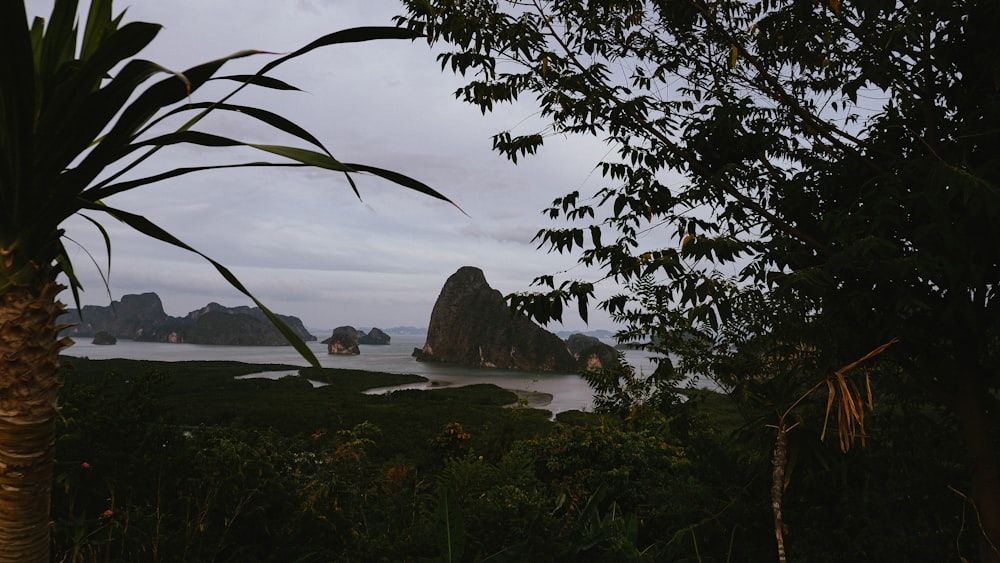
{"points": [[300, 240]]}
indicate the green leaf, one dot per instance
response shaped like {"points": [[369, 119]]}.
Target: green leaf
{"points": [[17, 108], [67, 265], [263, 81], [90, 110], [305, 156], [59, 44], [451, 526], [107, 243], [99, 23], [105, 191], [402, 180], [166, 92], [351, 35], [118, 46], [265, 116], [148, 228]]}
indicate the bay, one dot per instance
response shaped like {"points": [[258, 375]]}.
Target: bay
{"points": [[568, 391]]}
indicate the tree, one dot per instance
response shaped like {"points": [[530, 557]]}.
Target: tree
{"points": [[791, 177], [78, 113]]}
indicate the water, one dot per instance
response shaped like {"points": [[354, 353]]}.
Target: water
{"points": [[567, 391]]}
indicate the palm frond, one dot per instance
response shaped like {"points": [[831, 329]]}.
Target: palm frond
{"points": [[117, 143], [90, 114], [17, 110], [403, 180], [352, 35], [105, 191], [262, 81], [268, 117], [150, 229], [54, 74], [850, 402]]}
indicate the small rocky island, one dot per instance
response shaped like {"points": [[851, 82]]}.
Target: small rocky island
{"points": [[471, 325], [141, 317], [104, 338], [343, 342], [374, 337]]}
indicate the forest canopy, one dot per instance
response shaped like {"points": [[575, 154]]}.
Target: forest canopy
{"points": [[798, 185]]}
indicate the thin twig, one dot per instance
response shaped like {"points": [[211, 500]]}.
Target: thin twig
{"points": [[979, 520]]}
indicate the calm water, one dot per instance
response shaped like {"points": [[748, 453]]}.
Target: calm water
{"points": [[569, 391]]}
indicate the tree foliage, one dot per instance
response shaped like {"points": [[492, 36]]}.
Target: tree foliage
{"points": [[796, 183], [180, 461]]}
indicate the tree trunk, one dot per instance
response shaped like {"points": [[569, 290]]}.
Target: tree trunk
{"points": [[29, 387], [778, 462], [971, 412]]}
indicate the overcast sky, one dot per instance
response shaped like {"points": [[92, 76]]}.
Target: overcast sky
{"points": [[301, 241]]}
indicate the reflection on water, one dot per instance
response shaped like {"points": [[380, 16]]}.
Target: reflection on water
{"points": [[569, 391], [275, 375]]}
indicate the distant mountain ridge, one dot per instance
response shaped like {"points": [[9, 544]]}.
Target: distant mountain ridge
{"points": [[599, 333], [396, 330], [141, 317], [415, 330]]}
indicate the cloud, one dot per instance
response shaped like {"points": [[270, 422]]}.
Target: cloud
{"points": [[301, 240]]}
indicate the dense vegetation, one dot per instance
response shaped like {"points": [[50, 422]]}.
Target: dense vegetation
{"points": [[799, 197], [182, 462], [802, 204]]}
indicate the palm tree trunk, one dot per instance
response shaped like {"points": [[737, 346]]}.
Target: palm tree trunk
{"points": [[29, 387]]}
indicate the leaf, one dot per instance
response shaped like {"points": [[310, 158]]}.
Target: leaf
{"points": [[59, 43], [352, 35], [734, 53], [116, 144], [101, 192], [67, 265], [89, 111], [451, 526], [99, 22], [404, 181], [17, 106], [305, 156], [148, 228], [256, 80], [107, 243], [595, 235], [265, 116]]}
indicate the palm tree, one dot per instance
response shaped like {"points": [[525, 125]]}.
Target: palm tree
{"points": [[78, 113]]}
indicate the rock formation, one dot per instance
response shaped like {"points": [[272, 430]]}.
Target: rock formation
{"points": [[262, 331], [592, 354], [233, 329], [374, 337], [343, 342], [123, 319], [104, 338], [141, 317], [471, 325]]}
